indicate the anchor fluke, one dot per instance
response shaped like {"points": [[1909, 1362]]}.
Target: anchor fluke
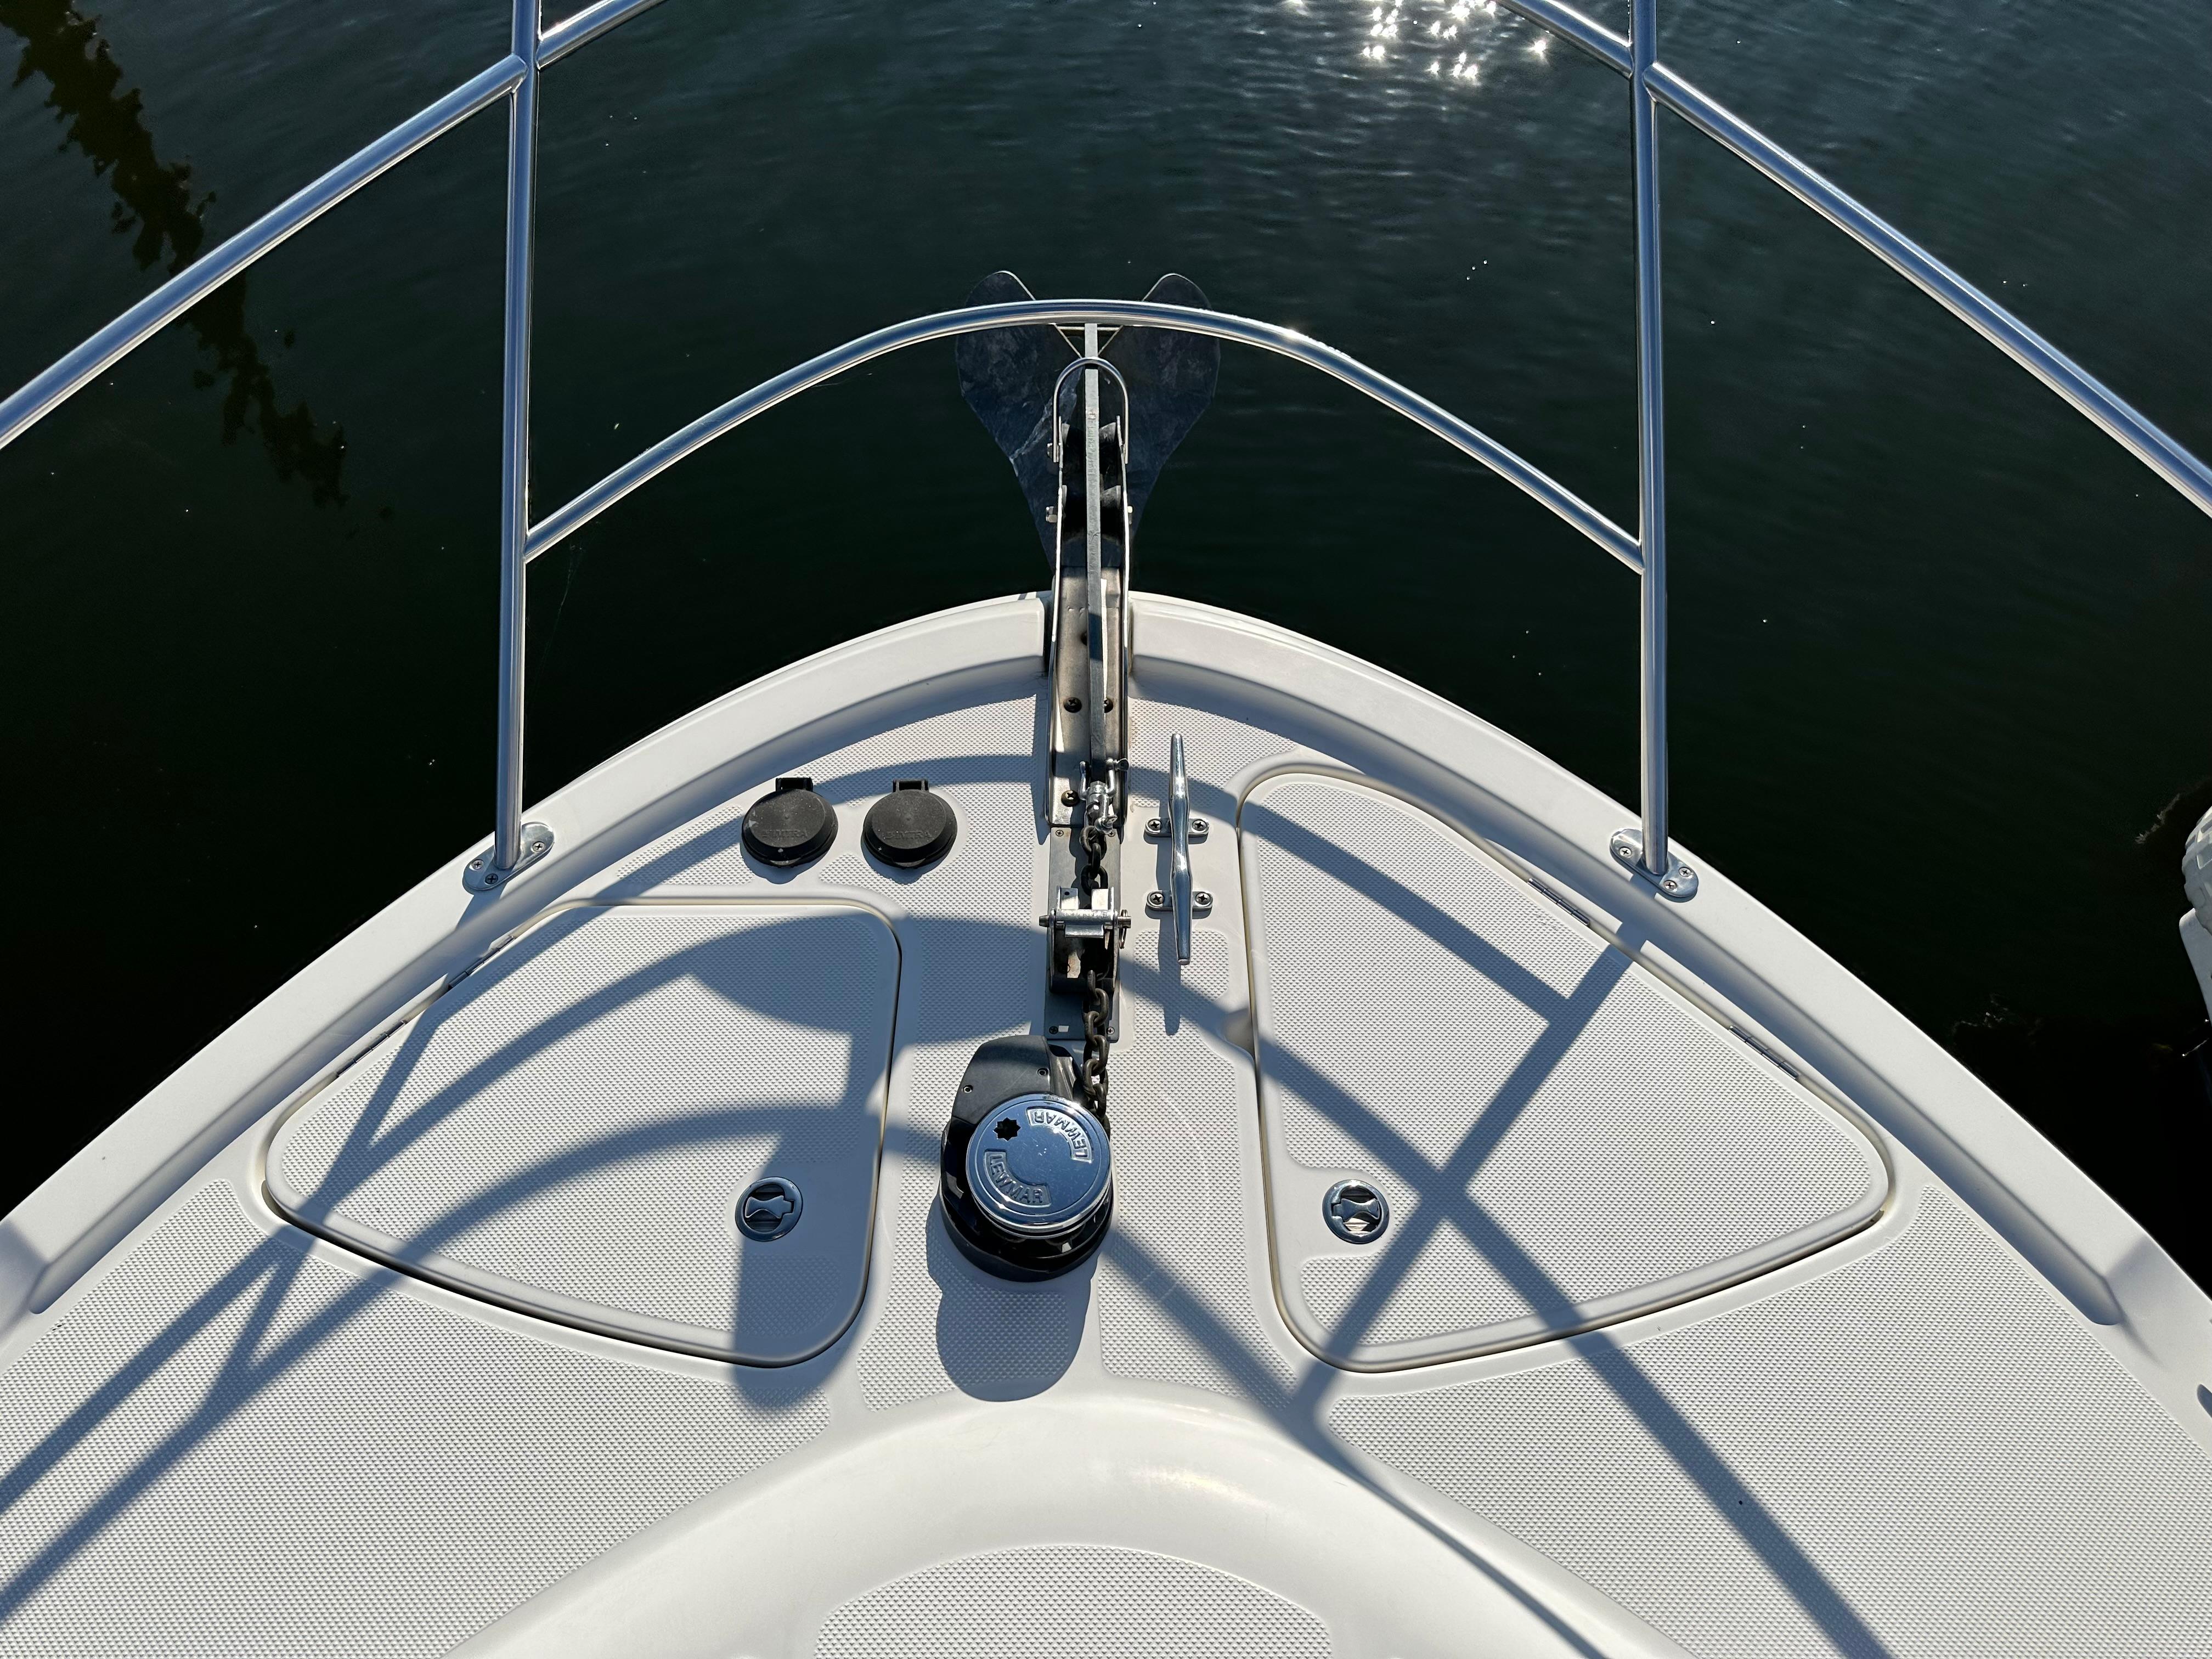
{"points": [[1008, 375]]}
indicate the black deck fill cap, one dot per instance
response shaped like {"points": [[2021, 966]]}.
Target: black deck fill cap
{"points": [[910, 826], [790, 825]]}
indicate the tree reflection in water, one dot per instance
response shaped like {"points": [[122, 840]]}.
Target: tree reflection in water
{"points": [[154, 200]]}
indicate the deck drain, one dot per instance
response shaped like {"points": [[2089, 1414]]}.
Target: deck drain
{"points": [[769, 1208], [1355, 1212]]}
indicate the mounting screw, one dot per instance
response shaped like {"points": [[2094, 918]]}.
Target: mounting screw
{"points": [[1201, 902], [1073, 705], [1107, 706], [1155, 903], [1155, 827], [1067, 798]]}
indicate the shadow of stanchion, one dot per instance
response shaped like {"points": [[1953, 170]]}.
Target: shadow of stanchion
{"points": [[1265, 1390], [1046, 1347], [1443, 1190], [1445, 1199], [271, 1269], [1416, 909]]}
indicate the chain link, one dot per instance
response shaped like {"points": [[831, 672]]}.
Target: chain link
{"points": [[1097, 1010], [1099, 974]]}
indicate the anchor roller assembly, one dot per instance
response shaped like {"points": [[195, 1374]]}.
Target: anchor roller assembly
{"points": [[1024, 1172]]}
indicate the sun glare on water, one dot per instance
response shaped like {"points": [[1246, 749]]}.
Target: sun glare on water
{"points": [[1460, 36]]}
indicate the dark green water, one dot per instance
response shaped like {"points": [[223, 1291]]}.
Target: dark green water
{"points": [[1939, 648]]}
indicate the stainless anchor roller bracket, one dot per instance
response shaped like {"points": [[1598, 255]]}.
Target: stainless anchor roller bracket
{"points": [[1062, 407], [1088, 763]]}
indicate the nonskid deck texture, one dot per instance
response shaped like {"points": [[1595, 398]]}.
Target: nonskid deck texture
{"points": [[1815, 1404], [1570, 1141], [567, 1130]]}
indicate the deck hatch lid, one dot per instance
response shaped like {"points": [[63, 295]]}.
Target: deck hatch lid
{"points": [[1562, 1139], [573, 1128]]}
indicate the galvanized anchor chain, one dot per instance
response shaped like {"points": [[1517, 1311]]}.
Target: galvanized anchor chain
{"points": [[1101, 971]]}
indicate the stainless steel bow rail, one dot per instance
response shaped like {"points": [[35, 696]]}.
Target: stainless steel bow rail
{"points": [[1652, 84]]}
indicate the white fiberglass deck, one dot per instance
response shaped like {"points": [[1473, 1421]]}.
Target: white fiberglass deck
{"points": [[567, 1129], [1868, 1369], [1564, 1139]]}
